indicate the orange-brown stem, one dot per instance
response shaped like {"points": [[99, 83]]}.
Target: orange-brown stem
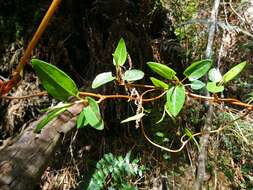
{"points": [[16, 76], [120, 96]]}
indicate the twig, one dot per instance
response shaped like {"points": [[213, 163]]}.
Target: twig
{"points": [[26, 96], [120, 96], [162, 147], [148, 139], [17, 74], [202, 159], [184, 142], [141, 99], [218, 100]]}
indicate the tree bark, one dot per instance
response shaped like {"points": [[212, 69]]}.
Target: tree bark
{"points": [[24, 158], [204, 139]]}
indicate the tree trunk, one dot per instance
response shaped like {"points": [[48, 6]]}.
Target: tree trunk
{"points": [[24, 158]]}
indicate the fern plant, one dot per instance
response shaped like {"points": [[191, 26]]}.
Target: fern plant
{"points": [[115, 173]]}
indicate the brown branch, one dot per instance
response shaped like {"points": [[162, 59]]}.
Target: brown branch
{"points": [[218, 100], [17, 74], [119, 96]]}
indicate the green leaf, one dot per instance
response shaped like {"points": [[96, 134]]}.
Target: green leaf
{"points": [[100, 125], [168, 112], [101, 79], [133, 118], [166, 156], [197, 84], [175, 99], [81, 120], [55, 81], [163, 70], [189, 134], [232, 73], [50, 116], [214, 75], [92, 114], [59, 105], [160, 134], [120, 54], [163, 116], [159, 84], [212, 87], [198, 69], [250, 94], [133, 75]]}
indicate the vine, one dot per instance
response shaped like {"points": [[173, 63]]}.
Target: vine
{"points": [[59, 85]]}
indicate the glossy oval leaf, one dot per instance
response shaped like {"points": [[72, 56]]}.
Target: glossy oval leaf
{"points": [[92, 114], [55, 81], [197, 84], [232, 73], [158, 83], [49, 117], [81, 120], [133, 75], [133, 118], [168, 112], [175, 99], [214, 75], [162, 70], [198, 69], [100, 125], [120, 54], [212, 87], [101, 79]]}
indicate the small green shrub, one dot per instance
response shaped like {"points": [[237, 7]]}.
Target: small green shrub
{"points": [[115, 173]]}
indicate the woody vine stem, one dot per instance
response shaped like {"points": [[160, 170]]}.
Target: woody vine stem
{"points": [[146, 100], [17, 75]]}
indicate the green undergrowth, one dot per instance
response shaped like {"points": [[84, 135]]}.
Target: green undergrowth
{"points": [[236, 150], [116, 172]]}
